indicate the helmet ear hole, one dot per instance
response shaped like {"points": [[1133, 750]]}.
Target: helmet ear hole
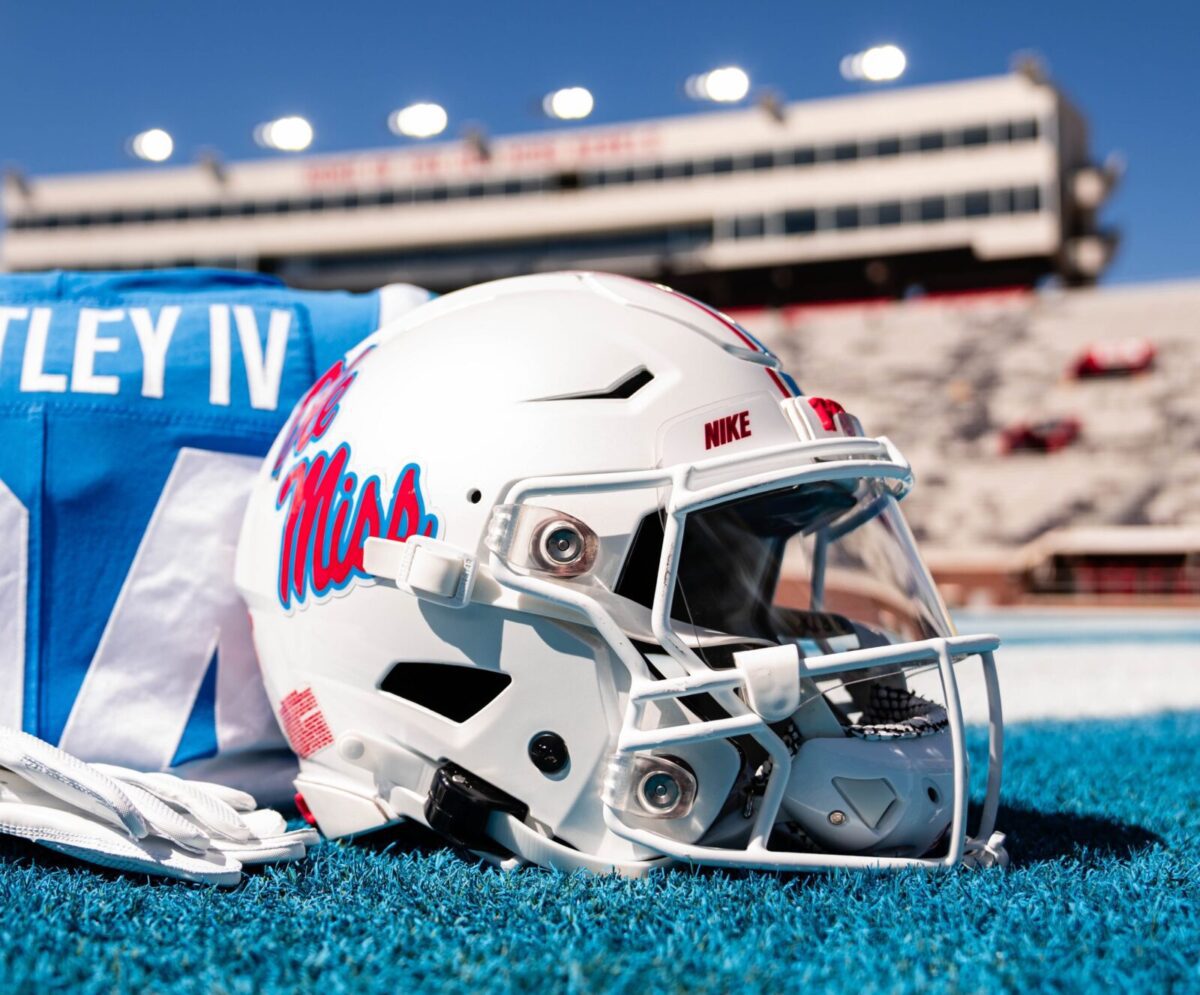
{"points": [[474, 495]]}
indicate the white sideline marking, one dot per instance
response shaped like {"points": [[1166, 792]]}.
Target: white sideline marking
{"points": [[1084, 681]]}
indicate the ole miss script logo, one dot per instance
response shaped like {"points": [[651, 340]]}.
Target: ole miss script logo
{"points": [[330, 513]]}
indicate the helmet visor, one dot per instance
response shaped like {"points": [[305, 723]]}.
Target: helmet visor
{"points": [[828, 565]]}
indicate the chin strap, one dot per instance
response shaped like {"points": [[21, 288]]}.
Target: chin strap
{"points": [[532, 847], [979, 855], [129, 821]]}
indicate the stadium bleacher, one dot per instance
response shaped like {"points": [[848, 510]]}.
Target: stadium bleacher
{"points": [[944, 376]]}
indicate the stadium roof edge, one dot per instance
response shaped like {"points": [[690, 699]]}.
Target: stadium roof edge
{"points": [[51, 183]]}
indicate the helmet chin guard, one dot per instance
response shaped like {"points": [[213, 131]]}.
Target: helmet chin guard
{"points": [[565, 568]]}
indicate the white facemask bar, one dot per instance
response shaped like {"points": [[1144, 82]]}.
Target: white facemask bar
{"points": [[694, 486]]}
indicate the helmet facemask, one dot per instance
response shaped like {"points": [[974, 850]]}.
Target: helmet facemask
{"points": [[787, 607]]}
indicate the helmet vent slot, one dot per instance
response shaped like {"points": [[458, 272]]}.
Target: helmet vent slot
{"points": [[451, 691], [622, 390]]}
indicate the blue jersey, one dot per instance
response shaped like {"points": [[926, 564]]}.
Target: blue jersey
{"points": [[134, 409]]}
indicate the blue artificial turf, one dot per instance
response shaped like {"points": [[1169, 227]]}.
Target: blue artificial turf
{"points": [[1104, 894]]}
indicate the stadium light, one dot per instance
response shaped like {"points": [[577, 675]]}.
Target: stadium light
{"points": [[726, 85], [154, 145], [880, 64], [573, 103], [285, 134], [418, 120]]}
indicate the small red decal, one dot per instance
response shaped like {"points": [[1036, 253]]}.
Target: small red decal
{"points": [[303, 724], [304, 810], [727, 429], [827, 411]]}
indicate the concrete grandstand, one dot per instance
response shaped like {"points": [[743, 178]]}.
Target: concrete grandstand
{"points": [[944, 376]]}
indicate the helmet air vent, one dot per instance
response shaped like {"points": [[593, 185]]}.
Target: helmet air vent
{"points": [[451, 691], [622, 390]]}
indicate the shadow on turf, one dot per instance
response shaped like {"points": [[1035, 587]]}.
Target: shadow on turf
{"points": [[1033, 838], [1039, 837]]}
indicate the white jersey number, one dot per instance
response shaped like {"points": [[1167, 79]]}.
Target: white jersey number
{"points": [[14, 569], [177, 606]]}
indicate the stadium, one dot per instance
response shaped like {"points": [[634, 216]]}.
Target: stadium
{"points": [[936, 264]]}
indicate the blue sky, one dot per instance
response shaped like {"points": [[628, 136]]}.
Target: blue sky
{"points": [[79, 78]]}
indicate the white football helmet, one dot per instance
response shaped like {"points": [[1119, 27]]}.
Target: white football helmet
{"points": [[566, 568]]}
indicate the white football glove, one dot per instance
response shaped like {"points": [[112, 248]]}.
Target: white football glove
{"points": [[129, 821]]}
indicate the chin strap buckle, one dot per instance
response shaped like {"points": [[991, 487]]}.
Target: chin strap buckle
{"points": [[427, 568], [980, 855], [459, 805]]}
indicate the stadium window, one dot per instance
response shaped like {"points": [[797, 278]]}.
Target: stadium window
{"points": [[723, 164], [643, 174], [846, 216], [177, 214], [1023, 131], [799, 222], [932, 209], [953, 138], [659, 172], [762, 160], [475, 189], [748, 226], [824, 153], [930, 141], [246, 209], [439, 192], [675, 170], [888, 146], [889, 213], [1002, 201], [592, 178], [512, 187], [804, 155], [385, 197], [975, 135], [616, 176], [977, 204], [845, 151], [1026, 199]]}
